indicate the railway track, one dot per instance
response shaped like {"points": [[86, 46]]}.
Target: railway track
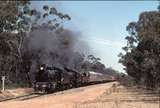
{"points": [[35, 95], [23, 97]]}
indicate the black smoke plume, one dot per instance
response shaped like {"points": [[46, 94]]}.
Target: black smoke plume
{"points": [[60, 48]]}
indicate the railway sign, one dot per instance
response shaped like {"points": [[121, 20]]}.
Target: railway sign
{"points": [[3, 77]]}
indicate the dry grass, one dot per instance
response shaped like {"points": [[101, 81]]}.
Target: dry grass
{"points": [[121, 97]]}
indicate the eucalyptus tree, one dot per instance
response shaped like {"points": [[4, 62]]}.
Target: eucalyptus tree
{"points": [[142, 52]]}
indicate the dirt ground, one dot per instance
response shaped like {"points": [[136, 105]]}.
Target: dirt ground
{"points": [[122, 97], [15, 92], [107, 95]]}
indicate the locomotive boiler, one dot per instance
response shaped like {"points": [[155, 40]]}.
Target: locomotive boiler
{"points": [[50, 79]]}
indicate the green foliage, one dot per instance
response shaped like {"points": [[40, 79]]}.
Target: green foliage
{"points": [[125, 80], [142, 53]]}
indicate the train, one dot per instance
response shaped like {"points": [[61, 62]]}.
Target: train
{"points": [[51, 79]]}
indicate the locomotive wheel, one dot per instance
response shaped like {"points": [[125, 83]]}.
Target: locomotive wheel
{"points": [[43, 91], [70, 85], [50, 89]]}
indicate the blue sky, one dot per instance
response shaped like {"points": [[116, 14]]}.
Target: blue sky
{"points": [[103, 24]]}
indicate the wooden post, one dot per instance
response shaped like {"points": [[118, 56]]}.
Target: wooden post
{"points": [[3, 82]]}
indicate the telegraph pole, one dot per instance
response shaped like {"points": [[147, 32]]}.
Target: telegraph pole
{"points": [[159, 82], [3, 82]]}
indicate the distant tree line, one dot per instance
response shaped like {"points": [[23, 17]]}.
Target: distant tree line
{"points": [[142, 52]]}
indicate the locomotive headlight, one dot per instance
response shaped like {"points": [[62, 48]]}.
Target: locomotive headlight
{"points": [[41, 68]]}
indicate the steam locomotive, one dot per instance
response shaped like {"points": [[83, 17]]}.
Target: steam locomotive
{"points": [[50, 79]]}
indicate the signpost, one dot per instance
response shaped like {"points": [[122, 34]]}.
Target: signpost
{"points": [[3, 79]]}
